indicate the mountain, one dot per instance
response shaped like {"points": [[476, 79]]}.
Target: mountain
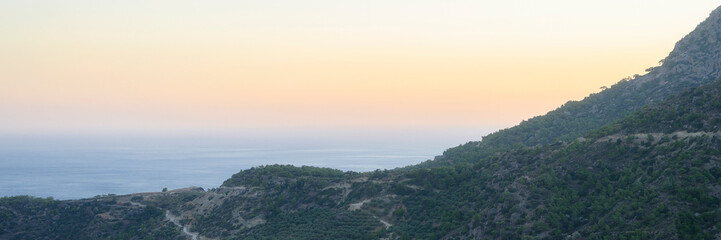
{"points": [[640, 160], [655, 174], [638, 178], [694, 61]]}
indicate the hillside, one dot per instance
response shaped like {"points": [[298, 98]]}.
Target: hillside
{"points": [[695, 110], [655, 182], [655, 174], [694, 61], [102, 218]]}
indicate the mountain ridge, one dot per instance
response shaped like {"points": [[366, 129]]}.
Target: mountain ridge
{"points": [[694, 61]]}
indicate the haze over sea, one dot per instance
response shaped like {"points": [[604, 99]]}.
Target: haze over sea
{"points": [[71, 167]]}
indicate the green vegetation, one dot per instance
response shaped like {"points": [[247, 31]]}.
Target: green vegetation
{"points": [[695, 110], [26, 217], [277, 174], [319, 223]]}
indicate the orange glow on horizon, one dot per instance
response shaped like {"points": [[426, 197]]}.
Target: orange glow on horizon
{"points": [[192, 67]]}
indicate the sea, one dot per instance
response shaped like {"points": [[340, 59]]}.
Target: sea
{"points": [[71, 167]]}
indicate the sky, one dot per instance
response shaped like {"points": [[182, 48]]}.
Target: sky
{"points": [[281, 67]]}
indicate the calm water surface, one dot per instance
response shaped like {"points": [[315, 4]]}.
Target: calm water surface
{"points": [[78, 169]]}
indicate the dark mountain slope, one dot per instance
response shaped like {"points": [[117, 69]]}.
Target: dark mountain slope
{"points": [[695, 110], [695, 61], [639, 178], [629, 180]]}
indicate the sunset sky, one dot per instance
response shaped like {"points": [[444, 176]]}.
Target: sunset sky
{"points": [[269, 66]]}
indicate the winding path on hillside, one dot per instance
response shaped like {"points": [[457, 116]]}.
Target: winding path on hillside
{"points": [[175, 221], [170, 217]]}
